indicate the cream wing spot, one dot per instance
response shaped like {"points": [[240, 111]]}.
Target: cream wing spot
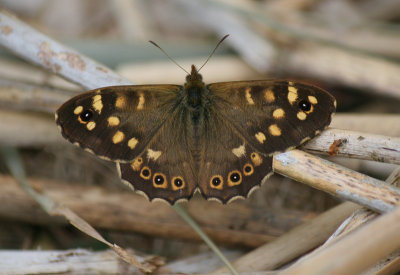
{"points": [[113, 121], [278, 113], [152, 154], [91, 125], [301, 115], [118, 137], [249, 99], [260, 137], [132, 143], [141, 102], [97, 103], [274, 130], [135, 165], [312, 99], [239, 151], [269, 95], [78, 110], [120, 102], [292, 94], [256, 159]]}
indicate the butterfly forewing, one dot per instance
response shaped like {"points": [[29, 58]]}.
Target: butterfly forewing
{"points": [[274, 116], [117, 122]]}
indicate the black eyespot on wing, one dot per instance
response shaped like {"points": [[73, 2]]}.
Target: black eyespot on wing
{"points": [[86, 115], [178, 182], [305, 105], [235, 177], [216, 181], [159, 180], [145, 173], [247, 169]]}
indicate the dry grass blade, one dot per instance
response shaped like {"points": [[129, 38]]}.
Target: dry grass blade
{"points": [[386, 239], [301, 239]]}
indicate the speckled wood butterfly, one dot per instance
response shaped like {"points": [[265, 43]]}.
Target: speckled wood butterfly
{"points": [[169, 141]]}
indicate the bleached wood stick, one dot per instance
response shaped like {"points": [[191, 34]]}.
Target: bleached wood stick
{"points": [[32, 45], [357, 145], [337, 180], [76, 261]]}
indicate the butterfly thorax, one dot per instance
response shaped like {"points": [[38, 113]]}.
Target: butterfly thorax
{"points": [[194, 90]]}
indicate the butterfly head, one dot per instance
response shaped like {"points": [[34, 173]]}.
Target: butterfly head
{"points": [[194, 78]]}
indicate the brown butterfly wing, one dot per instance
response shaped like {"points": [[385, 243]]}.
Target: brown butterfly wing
{"points": [[248, 123], [117, 123], [269, 114], [142, 128], [165, 170], [230, 167]]}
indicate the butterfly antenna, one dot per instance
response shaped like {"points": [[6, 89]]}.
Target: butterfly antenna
{"points": [[170, 58], [216, 47]]}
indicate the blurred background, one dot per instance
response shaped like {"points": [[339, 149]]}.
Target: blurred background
{"points": [[348, 47]]}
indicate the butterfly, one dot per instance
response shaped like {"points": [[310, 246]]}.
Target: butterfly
{"points": [[169, 141]]}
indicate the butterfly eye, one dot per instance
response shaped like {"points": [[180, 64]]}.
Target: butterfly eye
{"points": [[86, 115], [305, 105]]}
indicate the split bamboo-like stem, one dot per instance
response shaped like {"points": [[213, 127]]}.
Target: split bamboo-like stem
{"points": [[338, 181]]}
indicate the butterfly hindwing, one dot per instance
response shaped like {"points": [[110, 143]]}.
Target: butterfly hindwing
{"points": [[117, 122], [230, 168], [165, 170]]}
